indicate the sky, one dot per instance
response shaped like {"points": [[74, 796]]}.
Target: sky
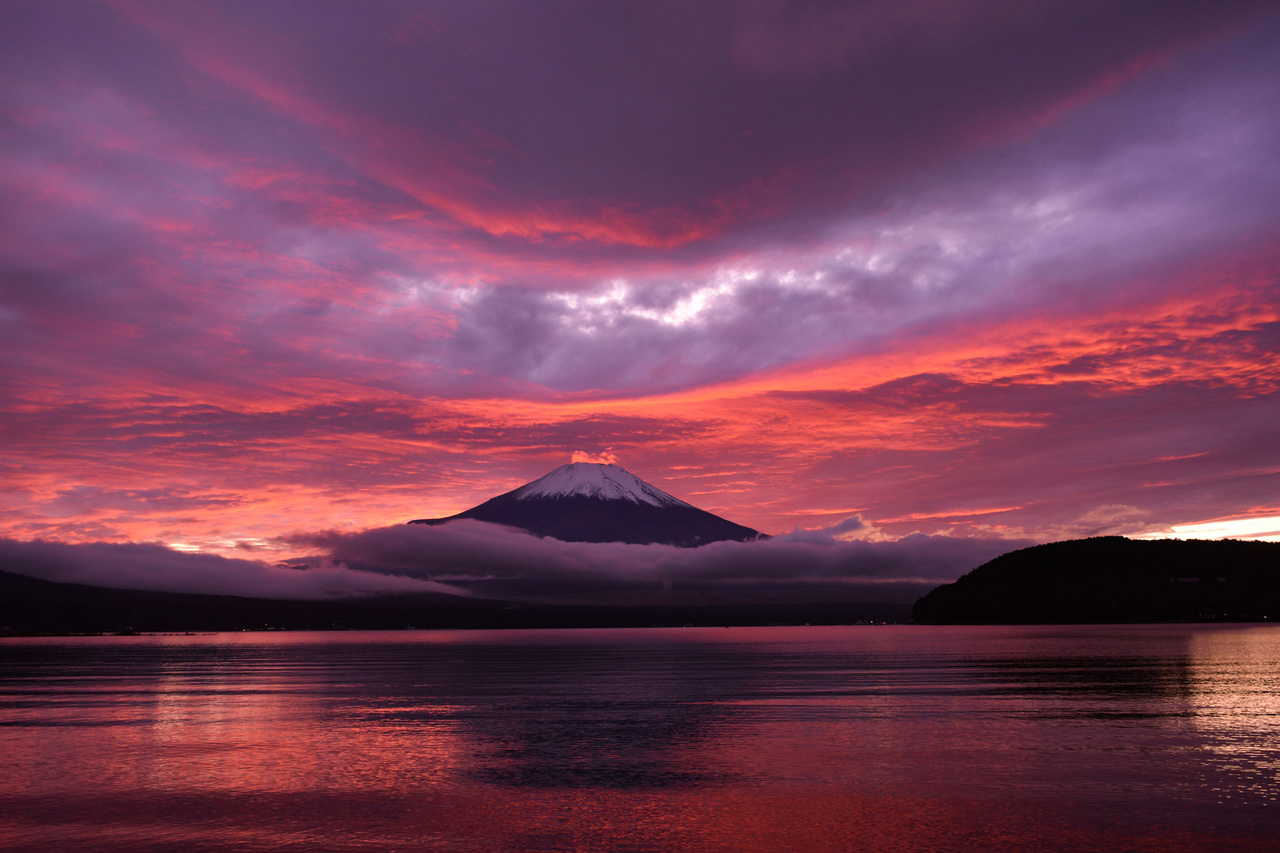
{"points": [[275, 275]]}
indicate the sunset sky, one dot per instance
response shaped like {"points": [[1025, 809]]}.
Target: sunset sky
{"points": [[273, 272]]}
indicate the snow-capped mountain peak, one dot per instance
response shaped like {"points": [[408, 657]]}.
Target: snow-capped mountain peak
{"points": [[595, 480], [594, 502]]}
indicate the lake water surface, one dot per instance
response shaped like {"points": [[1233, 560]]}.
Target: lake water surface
{"points": [[869, 738]]}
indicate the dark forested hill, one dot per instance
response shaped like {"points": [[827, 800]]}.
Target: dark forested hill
{"points": [[1113, 579]]}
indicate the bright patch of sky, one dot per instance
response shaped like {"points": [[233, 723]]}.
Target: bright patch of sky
{"points": [[619, 299], [1266, 529]]}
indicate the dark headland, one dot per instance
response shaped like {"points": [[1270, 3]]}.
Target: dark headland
{"points": [[1113, 579]]}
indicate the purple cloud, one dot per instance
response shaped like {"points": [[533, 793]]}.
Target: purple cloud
{"points": [[208, 161]]}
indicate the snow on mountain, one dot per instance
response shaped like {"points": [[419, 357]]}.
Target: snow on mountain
{"points": [[595, 480], [594, 502]]}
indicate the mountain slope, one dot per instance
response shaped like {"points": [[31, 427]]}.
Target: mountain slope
{"points": [[591, 502]]}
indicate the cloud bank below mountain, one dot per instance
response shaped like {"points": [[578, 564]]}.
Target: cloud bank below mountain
{"points": [[487, 560]]}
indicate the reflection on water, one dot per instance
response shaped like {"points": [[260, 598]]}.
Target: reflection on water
{"points": [[1235, 708], [859, 738]]}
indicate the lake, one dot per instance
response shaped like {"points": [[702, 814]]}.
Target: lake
{"points": [[866, 738]]}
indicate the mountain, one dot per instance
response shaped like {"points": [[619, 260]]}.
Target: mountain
{"points": [[592, 502], [1113, 579]]}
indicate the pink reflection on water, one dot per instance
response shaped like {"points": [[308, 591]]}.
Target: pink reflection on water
{"points": [[890, 739]]}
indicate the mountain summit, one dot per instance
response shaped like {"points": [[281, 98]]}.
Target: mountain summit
{"points": [[595, 480], [593, 502]]}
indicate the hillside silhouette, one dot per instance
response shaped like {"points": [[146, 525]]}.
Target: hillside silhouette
{"points": [[1114, 579]]}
